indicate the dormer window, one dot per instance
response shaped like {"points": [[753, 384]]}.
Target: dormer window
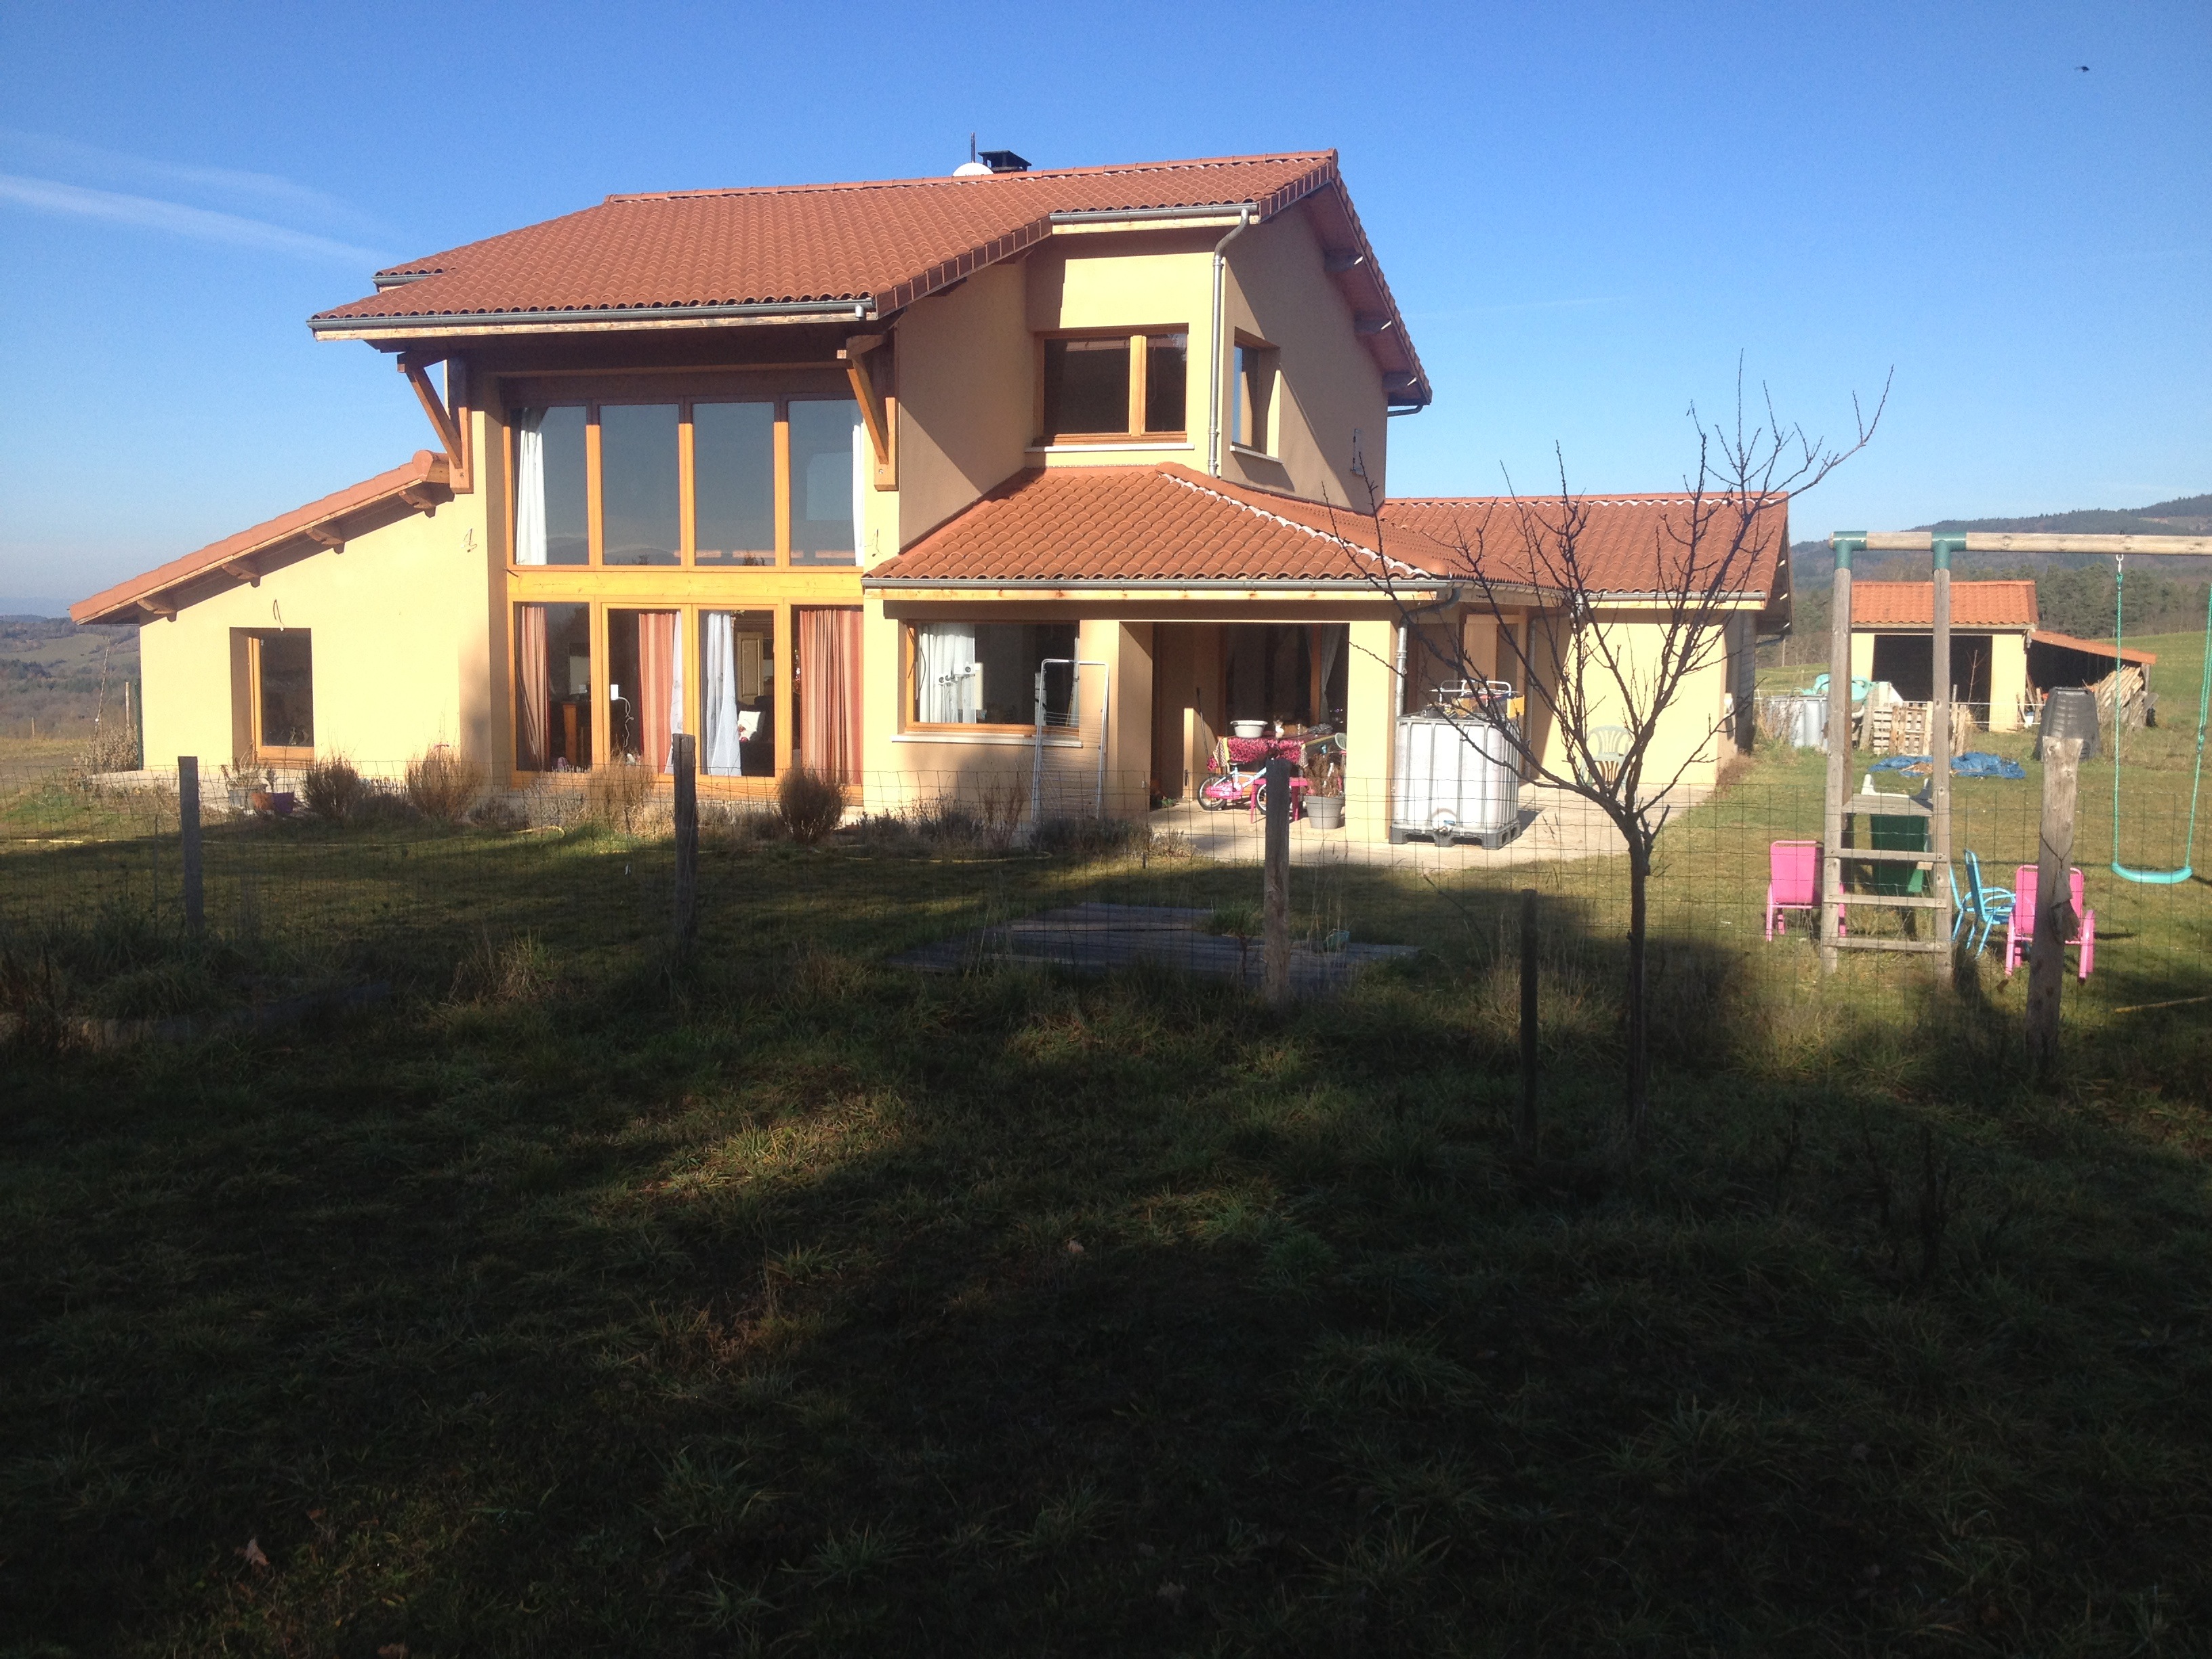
{"points": [[1104, 387]]}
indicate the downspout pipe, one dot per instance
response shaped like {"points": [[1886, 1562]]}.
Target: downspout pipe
{"points": [[1245, 219]]}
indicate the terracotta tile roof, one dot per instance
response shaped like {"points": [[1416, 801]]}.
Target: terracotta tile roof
{"points": [[1148, 524], [1973, 604], [1171, 525], [880, 244], [1623, 545], [250, 553]]}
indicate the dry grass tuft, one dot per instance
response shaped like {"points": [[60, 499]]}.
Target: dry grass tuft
{"points": [[810, 805], [442, 785], [616, 794], [333, 791], [504, 971]]}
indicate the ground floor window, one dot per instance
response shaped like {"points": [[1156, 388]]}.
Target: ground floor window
{"points": [[971, 673], [645, 685], [282, 694], [736, 694], [552, 687]]}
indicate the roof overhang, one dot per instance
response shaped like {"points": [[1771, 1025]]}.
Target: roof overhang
{"points": [[419, 486], [399, 331]]}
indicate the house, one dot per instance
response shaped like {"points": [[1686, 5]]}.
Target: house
{"points": [[2002, 660], [928, 483]]}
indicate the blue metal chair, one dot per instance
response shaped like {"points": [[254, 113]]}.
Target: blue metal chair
{"points": [[1981, 907]]}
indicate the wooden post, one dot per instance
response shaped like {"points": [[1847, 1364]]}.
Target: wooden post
{"points": [[1940, 716], [188, 836], [2054, 900], [1840, 751], [686, 758], [1276, 893], [1528, 1018]]}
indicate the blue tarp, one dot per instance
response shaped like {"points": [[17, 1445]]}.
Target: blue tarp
{"points": [[1975, 764]]}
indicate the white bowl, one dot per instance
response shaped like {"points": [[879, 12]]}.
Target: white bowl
{"points": [[1248, 728]]}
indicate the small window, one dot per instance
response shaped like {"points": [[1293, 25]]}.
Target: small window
{"points": [[826, 440], [284, 696], [641, 501], [551, 515], [1252, 405], [1124, 386], [733, 482], [552, 687], [985, 673]]}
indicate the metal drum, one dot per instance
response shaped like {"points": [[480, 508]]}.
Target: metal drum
{"points": [[1807, 722], [1455, 779]]}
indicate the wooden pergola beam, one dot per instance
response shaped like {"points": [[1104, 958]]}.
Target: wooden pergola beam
{"points": [[875, 411], [1992, 541], [452, 439]]}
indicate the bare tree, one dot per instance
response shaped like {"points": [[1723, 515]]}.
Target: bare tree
{"points": [[1611, 659]]}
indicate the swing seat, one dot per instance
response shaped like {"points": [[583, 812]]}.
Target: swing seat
{"points": [[2154, 877], [2020, 926]]}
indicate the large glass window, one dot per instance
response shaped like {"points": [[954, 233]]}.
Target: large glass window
{"points": [[552, 687], [985, 673], [1167, 380], [736, 693], [1111, 388], [552, 500], [640, 502], [733, 482], [826, 437], [284, 693], [645, 685], [1086, 387]]}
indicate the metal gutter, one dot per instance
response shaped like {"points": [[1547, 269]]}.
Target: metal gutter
{"points": [[860, 310], [1045, 584]]}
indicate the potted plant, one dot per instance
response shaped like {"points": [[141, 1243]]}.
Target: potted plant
{"points": [[1324, 798]]}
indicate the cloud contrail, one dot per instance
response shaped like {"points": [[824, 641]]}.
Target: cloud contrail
{"points": [[46, 195]]}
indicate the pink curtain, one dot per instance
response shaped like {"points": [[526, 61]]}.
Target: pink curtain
{"points": [[533, 690], [829, 692], [656, 669]]}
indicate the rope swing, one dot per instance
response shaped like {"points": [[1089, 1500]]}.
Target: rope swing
{"points": [[2157, 878]]}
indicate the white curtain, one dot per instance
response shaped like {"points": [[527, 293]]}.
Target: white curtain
{"points": [[725, 758], [864, 462], [530, 487], [948, 686]]}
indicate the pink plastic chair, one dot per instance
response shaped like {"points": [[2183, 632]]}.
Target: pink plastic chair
{"points": [[1793, 870], [2020, 930]]}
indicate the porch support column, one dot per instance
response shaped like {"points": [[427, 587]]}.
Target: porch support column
{"points": [[1371, 727]]}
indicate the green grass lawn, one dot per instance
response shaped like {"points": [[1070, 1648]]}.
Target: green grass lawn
{"points": [[574, 1304]]}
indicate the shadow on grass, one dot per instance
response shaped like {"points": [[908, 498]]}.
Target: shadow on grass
{"points": [[786, 1300]]}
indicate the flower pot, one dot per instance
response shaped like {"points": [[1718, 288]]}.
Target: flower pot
{"points": [[1325, 811]]}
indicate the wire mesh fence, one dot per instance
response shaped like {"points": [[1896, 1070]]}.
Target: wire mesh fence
{"points": [[960, 873]]}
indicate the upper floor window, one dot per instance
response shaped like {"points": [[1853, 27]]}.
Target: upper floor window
{"points": [[1252, 398], [771, 482], [1121, 385]]}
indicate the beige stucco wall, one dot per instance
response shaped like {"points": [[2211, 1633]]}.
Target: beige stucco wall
{"points": [[965, 405], [1331, 388], [399, 624], [1862, 656], [2008, 680], [1686, 748]]}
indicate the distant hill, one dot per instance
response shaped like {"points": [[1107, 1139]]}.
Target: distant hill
{"points": [[57, 678]]}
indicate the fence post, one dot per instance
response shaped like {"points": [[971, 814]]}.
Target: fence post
{"points": [[686, 759], [188, 836], [1528, 1018], [2054, 900], [1276, 952]]}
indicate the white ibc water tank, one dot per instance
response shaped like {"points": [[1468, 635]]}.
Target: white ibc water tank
{"points": [[1807, 722], [1455, 779]]}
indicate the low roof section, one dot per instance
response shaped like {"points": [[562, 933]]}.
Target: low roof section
{"points": [[861, 251], [1905, 607], [1167, 526], [416, 487]]}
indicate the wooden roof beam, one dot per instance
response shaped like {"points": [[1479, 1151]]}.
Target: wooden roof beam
{"points": [[1994, 541], [452, 439], [878, 412]]}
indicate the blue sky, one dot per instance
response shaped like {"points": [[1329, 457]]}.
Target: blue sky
{"points": [[1587, 212]]}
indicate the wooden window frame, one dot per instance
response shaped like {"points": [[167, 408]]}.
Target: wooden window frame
{"points": [[908, 697], [1262, 426], [781, 398], [1139, 368], [274, 754]]}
